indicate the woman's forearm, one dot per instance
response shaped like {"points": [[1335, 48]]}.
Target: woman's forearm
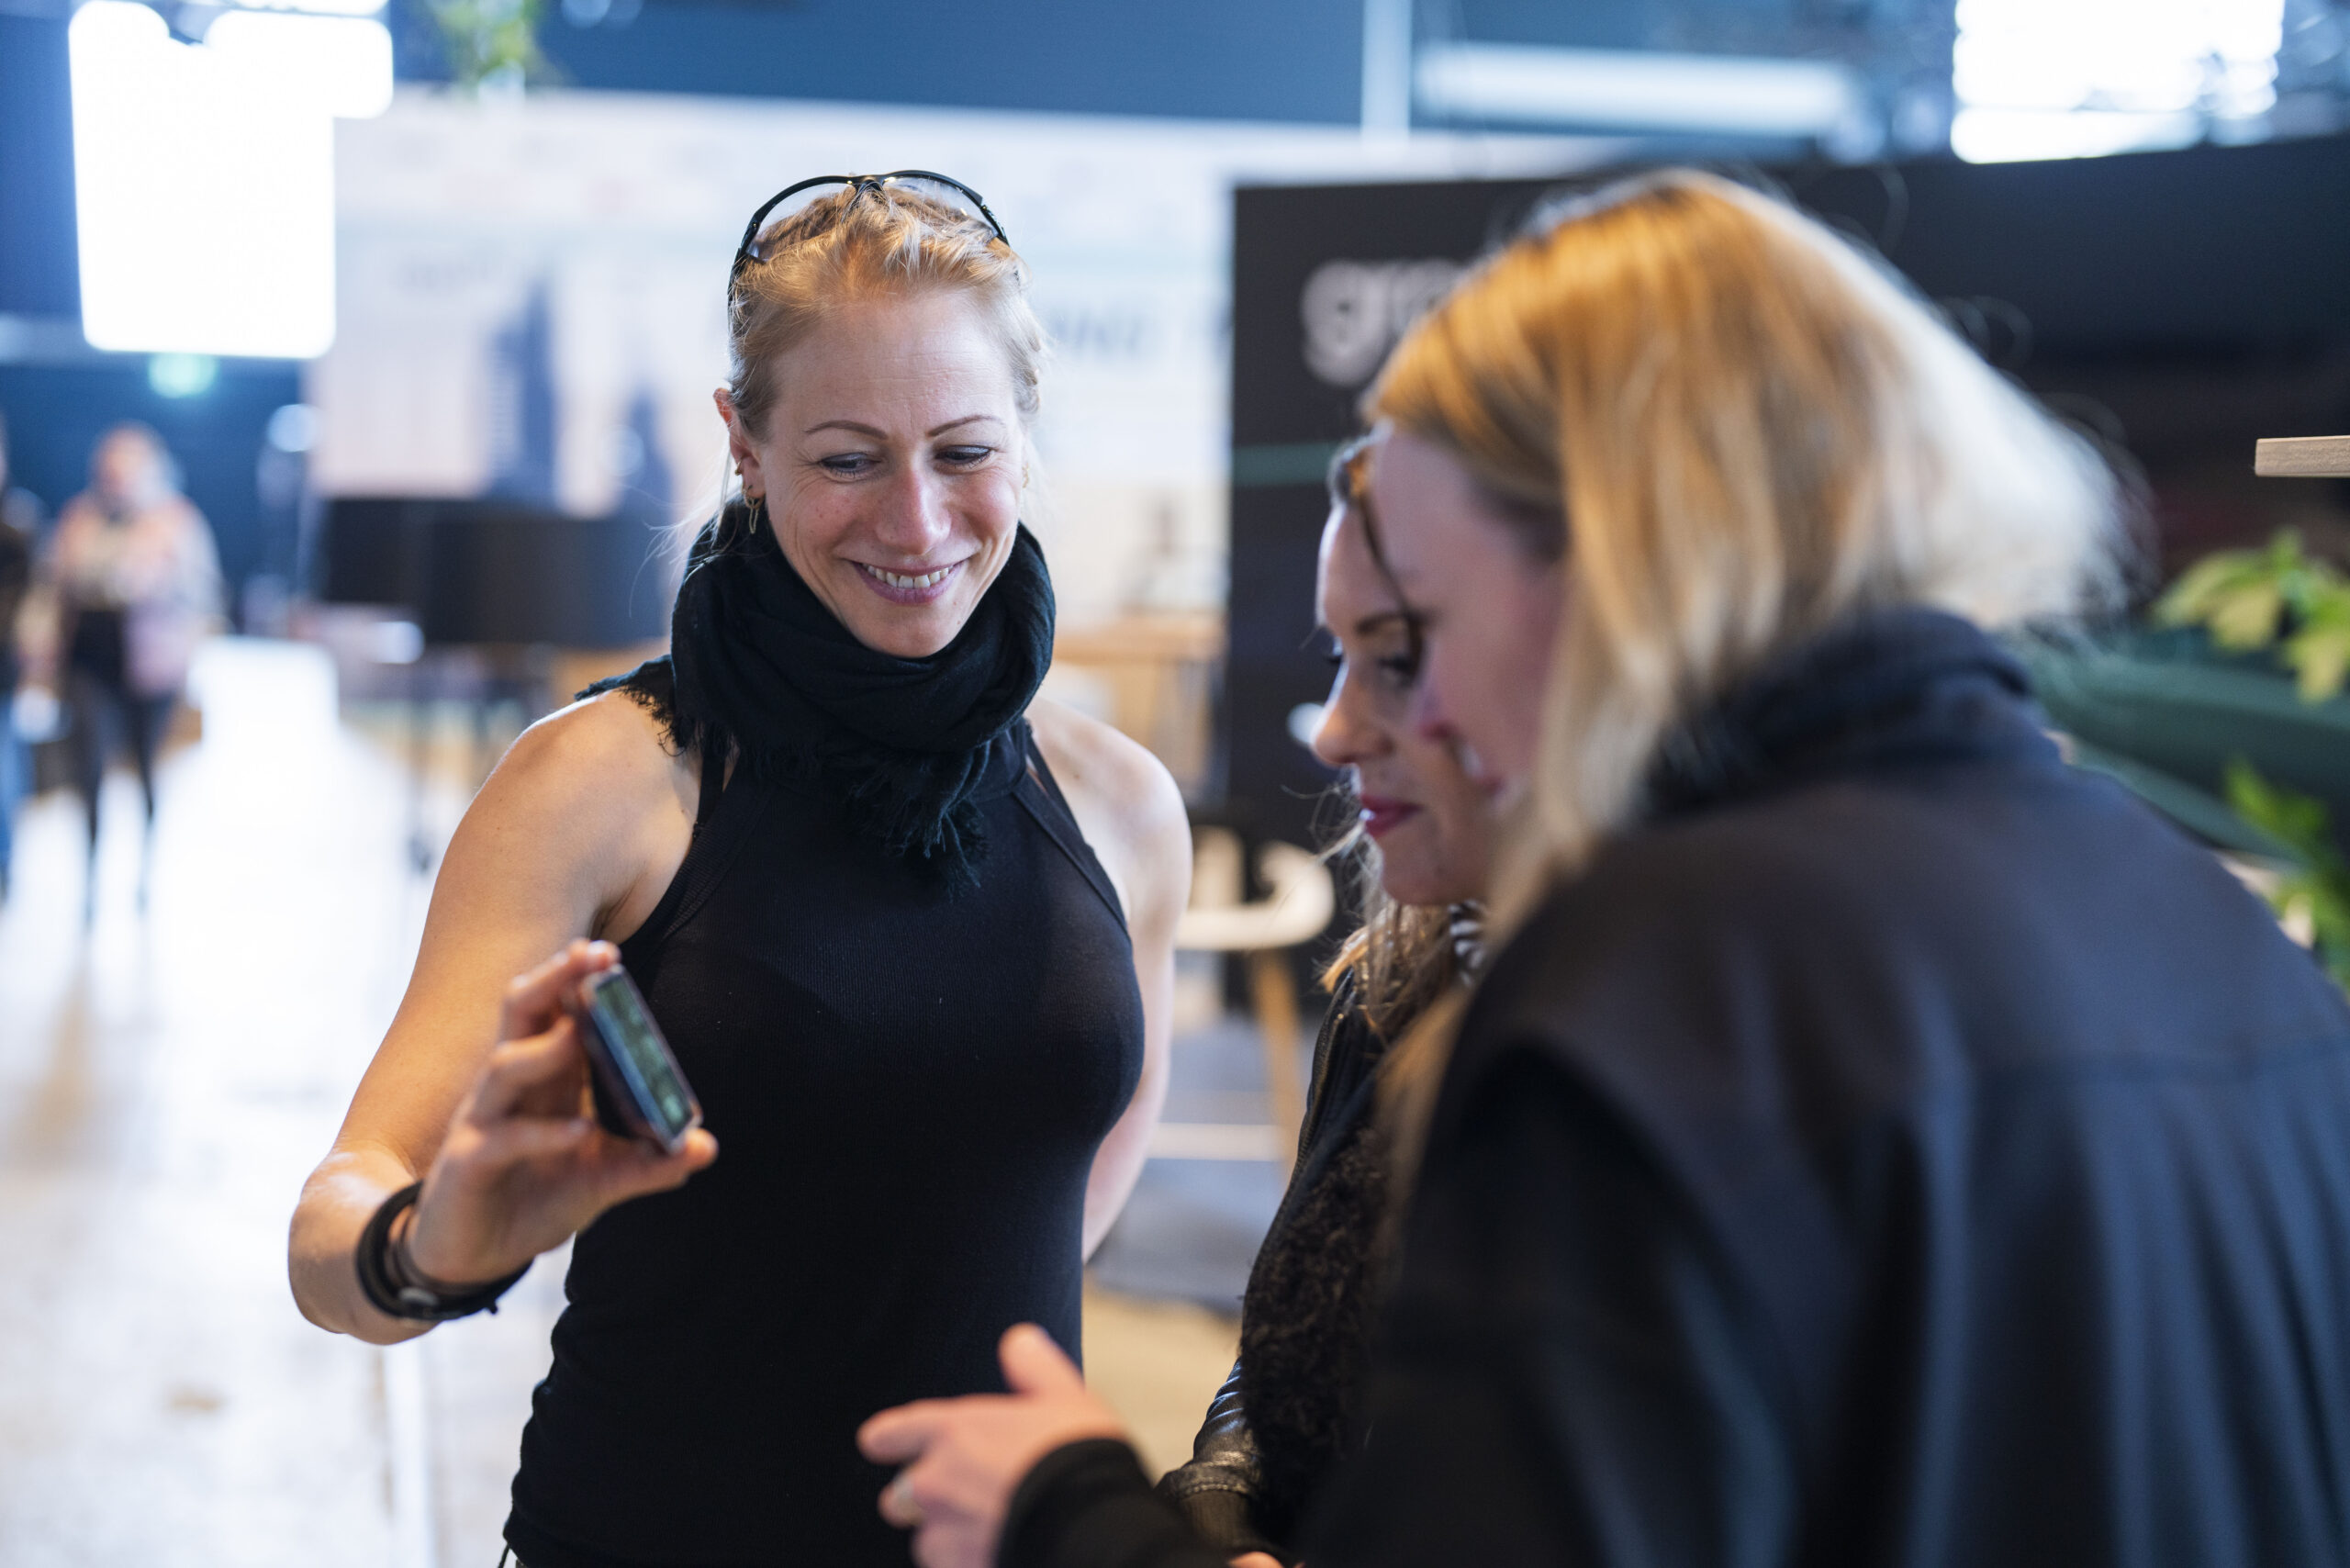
{"points": [[337, 1202]]}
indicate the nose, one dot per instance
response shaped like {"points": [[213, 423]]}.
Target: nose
{"points": [[914, 518], [1347, 734]]}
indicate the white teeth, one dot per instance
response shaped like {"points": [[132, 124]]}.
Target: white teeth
{"points": [[900, 580]]}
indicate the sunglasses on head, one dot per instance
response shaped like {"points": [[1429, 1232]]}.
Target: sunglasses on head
{"points": [[950, 193]]}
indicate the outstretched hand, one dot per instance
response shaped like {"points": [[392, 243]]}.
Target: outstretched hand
{"points": [[525, 1166], [964, 1458]]}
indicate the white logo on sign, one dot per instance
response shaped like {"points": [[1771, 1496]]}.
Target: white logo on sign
{"points": [[1354, 311]]}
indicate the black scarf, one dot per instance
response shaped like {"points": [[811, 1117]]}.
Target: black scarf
{"points": [[902, 745]]}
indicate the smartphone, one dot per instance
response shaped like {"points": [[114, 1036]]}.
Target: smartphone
{"points": [[640, 1090]]}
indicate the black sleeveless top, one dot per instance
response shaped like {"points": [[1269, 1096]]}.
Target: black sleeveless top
{"points": [[907, 1085]]}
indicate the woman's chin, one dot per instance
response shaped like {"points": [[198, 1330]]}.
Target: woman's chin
{"points": [[907, 632], [1407, 877]]}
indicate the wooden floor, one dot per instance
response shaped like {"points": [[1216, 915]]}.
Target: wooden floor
{"points": [[167, 1078]]}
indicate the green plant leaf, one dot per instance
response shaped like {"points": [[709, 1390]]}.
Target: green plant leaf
{"points": [[2239, 595], [2249, 599], [2296, 821], [2318, 887], [2207, 584], [2246, 616], [2320, 656]]}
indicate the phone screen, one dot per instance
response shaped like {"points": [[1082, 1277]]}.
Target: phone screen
{"points": [[629, 1029]]}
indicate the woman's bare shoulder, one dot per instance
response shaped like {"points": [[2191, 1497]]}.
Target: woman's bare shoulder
{"points": [[1090, 758], [591, 776], [1120, 794]]}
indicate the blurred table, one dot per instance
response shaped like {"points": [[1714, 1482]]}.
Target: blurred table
{"points": [[2302, 457], [1159, 674]]}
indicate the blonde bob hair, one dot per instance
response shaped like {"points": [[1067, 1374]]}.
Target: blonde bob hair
{"points": [[1739, 431]]}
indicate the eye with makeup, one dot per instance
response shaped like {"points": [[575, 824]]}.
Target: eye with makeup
{"points": [[848, 465], [1383, 653]]}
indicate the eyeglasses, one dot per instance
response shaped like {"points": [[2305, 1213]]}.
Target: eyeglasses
{"points": [[950, 193]]}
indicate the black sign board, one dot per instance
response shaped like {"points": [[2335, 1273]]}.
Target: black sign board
{"points": [[492, 571], [1324, 281]]}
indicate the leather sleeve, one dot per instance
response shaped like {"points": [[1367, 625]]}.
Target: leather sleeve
{"points": [[1215, 1491]]}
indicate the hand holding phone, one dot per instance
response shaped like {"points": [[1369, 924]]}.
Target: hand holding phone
{"points": [[521, 1169]]}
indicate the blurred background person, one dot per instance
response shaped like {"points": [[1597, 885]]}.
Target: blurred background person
{"points": [[1875, 1141], [130, 585], [1291, 1411], [20, 521]]}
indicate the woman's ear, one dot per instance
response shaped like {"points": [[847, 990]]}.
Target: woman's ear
{"points": [[739, 448]]}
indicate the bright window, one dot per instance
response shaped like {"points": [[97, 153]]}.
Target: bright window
{"points": [[2078, 78], [204, 175]]}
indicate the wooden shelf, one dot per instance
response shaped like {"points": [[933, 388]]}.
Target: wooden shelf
{"points": [[2303, 457]]}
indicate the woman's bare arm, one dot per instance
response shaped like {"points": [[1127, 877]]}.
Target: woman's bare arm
{"points": [[575, 835], [1132, 816]]}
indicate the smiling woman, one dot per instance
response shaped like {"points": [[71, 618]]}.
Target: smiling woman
{"points": [[908, 933]]}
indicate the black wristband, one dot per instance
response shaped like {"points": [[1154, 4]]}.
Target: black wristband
{"points": [[396, 1288]]}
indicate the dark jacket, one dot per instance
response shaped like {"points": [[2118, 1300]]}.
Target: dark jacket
{"points": [[1290, 1410], [1903, 1151]]}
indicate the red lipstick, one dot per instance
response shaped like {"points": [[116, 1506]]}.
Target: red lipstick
{"points": [[1382, 816]]}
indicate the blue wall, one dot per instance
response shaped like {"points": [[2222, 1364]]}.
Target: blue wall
{"points": [[1271, 59], [36, 257]]}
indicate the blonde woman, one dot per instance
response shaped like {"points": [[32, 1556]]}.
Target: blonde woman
{"points": [[1875, 1143], [910, 934]]}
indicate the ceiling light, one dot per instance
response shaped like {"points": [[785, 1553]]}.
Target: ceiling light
{"points": [[1636, 91], [204, 175]]}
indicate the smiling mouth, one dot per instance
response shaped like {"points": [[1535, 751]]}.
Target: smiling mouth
{"points": [[910, 589], [902, 581]]}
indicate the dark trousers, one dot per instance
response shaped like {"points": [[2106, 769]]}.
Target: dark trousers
{"points": [[106, 716], [106, 713]]}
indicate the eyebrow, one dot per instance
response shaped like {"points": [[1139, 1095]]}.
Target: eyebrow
{"points": [[884, 435], [1371, 622]]}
